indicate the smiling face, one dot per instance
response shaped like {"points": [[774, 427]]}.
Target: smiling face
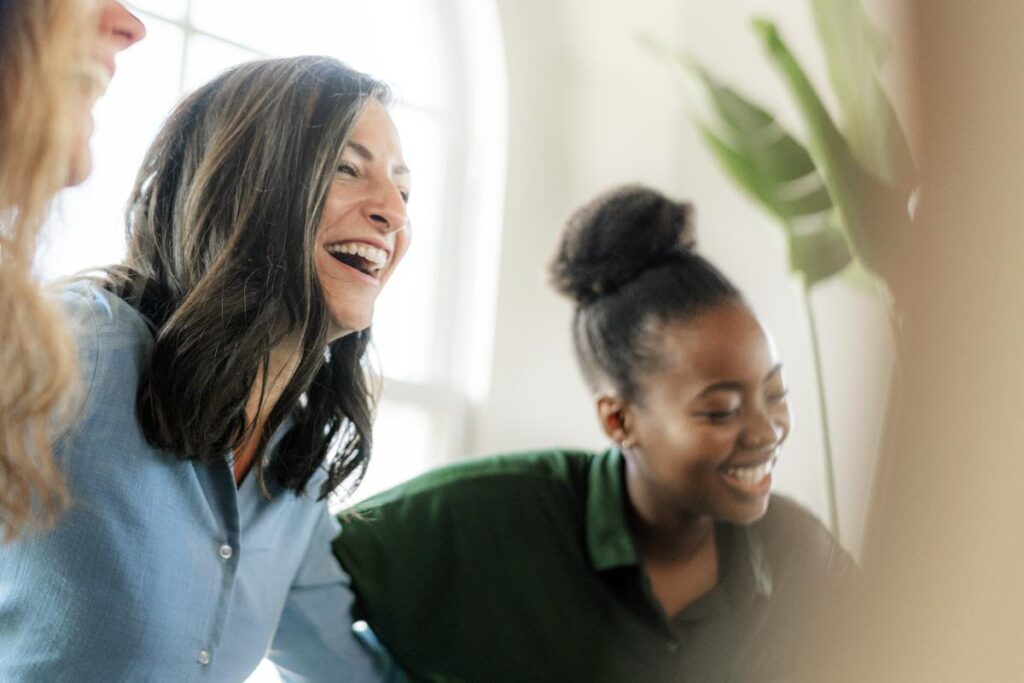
{"points": [[363, 231], [115, 29], [703, 437]]}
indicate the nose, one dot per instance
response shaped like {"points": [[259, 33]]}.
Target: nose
{"points": [[763, 431], [120, 26], [386, 208]]}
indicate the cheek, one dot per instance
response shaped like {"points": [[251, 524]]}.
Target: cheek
{"points": [[784, 421], [694, 448], [328, 284]]}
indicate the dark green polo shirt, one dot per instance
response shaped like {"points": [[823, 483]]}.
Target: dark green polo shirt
{"points": [[521, 568]]}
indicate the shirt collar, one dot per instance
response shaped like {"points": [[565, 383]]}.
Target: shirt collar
{"points": [[746, 572], [609, 543]]}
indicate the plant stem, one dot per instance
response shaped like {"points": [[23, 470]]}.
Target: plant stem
{"points": [[830, 476]]}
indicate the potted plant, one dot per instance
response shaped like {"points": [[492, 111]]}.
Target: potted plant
{"points": [[842, 196]]}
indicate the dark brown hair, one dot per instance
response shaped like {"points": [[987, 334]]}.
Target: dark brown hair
{"points": [[626, 258], [222, 227]]}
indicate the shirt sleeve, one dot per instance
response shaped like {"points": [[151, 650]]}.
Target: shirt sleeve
{"points": [[316, 639], [51, 627]]}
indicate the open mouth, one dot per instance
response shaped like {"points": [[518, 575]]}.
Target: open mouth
{"points": [[365, 258], [752, 479]]}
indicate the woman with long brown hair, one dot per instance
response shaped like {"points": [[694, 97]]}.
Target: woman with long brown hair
{"points": [[227, 394], [56, 58]]}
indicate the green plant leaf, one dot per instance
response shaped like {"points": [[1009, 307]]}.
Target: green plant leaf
{"points": [[772, 167], [855, 52], [820, 254], [874, 216], [766, 160]]}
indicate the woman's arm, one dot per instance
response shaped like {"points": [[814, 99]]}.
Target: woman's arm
{"points": [[315, 640]]}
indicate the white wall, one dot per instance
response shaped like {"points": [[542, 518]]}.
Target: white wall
{"points": [[590, 109]]}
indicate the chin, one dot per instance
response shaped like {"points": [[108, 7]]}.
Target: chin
{"points": [[80, 163], [345, 324], [745, 514], [78, 171]]}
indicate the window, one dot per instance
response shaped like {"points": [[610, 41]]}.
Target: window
{"points": [[444, 61]]}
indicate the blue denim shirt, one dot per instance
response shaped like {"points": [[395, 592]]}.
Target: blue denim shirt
{"points": [[163, 570]]}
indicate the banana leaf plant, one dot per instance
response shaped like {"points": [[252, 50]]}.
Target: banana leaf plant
{"points": [[841, 197]]}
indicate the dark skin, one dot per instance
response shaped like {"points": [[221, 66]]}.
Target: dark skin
{"points": [[699, 442], [681, 564]]}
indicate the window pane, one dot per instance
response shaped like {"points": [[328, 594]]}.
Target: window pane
{"points": [[87, 227], [408, 50], [295, 27], [405, 317], [207, 57], [376, 36], [403, 443], [169, 9]]}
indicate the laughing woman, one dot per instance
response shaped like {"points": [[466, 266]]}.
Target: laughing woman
{"points": [[226, 395], [665, 558]]}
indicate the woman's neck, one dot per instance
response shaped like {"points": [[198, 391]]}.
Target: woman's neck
{"points": [[664, 534], [660, 528], [263, 396], [677, 548]]}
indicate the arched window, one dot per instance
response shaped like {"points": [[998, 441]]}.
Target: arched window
{"points": [[444, 61]]}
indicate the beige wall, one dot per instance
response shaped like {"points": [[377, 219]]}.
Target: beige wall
{"points": [[589, 109]]}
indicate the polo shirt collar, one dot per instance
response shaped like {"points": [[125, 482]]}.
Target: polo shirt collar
{"points": [[609, 542], [746, 572]]}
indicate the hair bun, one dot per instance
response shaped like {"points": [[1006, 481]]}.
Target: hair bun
{"points": [[617, 236]]}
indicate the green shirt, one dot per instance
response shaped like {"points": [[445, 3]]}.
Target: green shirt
{"points": [[522, 568]]}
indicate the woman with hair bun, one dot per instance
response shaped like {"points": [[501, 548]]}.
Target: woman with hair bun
{"points": [[664, 558]]}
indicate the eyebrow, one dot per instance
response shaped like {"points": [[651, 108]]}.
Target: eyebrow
{"points": [[736, 386], [361, 150]]}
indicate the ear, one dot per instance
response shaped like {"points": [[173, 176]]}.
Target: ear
{"points": [[614, 415]]}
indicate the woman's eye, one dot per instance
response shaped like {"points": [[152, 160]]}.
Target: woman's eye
{"points": [[778, 396], [719, 415], [348, 169], [405, 195]]}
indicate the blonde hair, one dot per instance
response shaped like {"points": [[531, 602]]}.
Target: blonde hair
{"points": [[40, 43]]}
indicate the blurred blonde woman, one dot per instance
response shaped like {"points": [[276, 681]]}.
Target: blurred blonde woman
{"points": [[56, 59]]}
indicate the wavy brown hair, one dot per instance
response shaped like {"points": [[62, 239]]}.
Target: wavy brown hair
{"points": [[222, 228], [41, 42]]}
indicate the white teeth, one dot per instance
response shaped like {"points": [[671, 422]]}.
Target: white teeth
{"points": [[752, 475], [376, 257]]}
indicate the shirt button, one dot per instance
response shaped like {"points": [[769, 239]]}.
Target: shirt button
{"points": [[226, 552], [672, 647], [203, 657]]}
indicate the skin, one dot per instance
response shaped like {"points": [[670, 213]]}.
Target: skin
{"points": [[116, 29], [718, 400], [366, 204]]}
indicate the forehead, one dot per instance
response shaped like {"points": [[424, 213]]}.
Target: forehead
{"points": [[724, 343], [375, 132]]}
